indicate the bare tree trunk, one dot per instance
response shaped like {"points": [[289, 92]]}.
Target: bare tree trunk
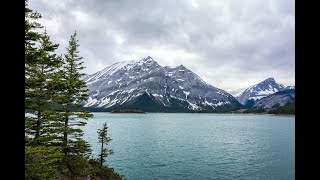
{"points": [[38, 125], [65, 133], [101, 155]]}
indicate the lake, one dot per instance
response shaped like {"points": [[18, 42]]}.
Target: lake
{"points": [[197, 146]]}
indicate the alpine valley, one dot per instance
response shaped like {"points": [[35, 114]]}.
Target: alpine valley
{"points": [[144, 84]]}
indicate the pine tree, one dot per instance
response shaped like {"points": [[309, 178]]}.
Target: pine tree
{"points": [[39, 89], [41, 162], [31, 36], [70, 99], [41, 66], [104, 139]]}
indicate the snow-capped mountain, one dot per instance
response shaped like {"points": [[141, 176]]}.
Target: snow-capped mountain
{"points": [[260, 90], [144, 84], [277, 99], [291, 87]]}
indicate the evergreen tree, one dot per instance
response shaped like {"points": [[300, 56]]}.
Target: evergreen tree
{"points": [[54, 93], [31, 37], [104, 139], [41, 66], [39, 89], [41, 162], [70, 98]]}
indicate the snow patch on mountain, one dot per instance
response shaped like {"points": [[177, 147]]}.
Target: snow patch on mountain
{"points": [[276, 100], [260, 90], [123, 82]]}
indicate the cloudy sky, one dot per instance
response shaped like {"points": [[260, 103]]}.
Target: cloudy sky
{"points": [[231, 44]]}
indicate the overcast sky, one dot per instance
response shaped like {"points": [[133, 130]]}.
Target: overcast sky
{"points": [[230, 44]]}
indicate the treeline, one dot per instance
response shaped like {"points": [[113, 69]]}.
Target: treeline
{"points": [[258, 110], [54, 92], [287, 109], [127, 111], [220, 111]]}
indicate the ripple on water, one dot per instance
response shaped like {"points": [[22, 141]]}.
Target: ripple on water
{"points": [[197, 146]]}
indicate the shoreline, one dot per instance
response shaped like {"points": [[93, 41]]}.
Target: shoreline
{"points": [[125, 113], [285, 115]]}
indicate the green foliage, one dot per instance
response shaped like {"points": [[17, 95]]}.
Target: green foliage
{"points": [[287, 109], [103, 172], [258, 110], [41, 162], [104, 139], [72, 92], [40, 70], [127, 111], [74, 167], [80, 167], [54, 92], [31, 34]]}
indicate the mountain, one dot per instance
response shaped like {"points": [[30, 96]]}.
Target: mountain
{"points": [[276, 100], [290, 87], [260, 90], [144, 84]]}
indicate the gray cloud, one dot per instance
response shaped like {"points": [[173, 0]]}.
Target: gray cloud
{"points": [[231, 44]]}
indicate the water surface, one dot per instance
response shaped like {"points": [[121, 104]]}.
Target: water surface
{"points": [[197, 146]]}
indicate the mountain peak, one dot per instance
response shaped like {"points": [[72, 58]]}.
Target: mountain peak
{"points": [[148, 58], [181, 66], [269, 79], [260, 90]]}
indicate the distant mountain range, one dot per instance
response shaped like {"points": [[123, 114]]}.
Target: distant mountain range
{"points": [[251, 95], [144, 84]]}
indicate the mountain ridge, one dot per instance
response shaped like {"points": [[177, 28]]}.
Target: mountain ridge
{"points": [[121, 84]]}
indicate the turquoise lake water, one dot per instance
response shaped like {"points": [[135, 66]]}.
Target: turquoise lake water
{"points": [[197, 146]]}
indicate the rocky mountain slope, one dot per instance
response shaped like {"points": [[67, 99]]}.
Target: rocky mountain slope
{"points": [[144, 84], [258, 91], [276, 100]]}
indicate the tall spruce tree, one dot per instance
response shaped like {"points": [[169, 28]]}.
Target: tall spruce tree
{"points": [[41, 64], [73, 93], [39, 90], [104, 139], [32, 36], [41, 161]]}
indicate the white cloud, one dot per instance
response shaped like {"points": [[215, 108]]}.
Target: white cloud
{"points": [[231, 44]]}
